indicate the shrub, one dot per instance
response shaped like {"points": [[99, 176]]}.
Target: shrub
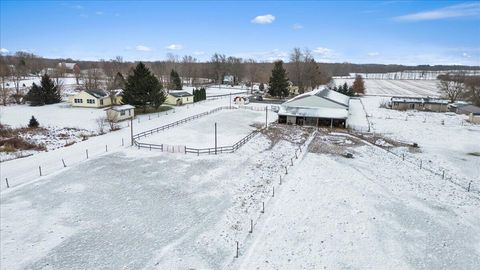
{"points": [[33, 123]]}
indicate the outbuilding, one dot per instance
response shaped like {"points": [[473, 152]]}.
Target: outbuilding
{"points": [[179, 98], [419, 104], [119, 113], [322, 107]]}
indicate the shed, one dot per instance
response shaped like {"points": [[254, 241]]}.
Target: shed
{"points": [[322, 107], [119, 113], [179, 98], [419, 103]]}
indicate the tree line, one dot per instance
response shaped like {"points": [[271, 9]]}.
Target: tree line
{"points": [[455, 86]]}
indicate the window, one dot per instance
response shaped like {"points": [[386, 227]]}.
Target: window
{"points": [[91, 101], [122, 112], [78, 100], [101, 101]]}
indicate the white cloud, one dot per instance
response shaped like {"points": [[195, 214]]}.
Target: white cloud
{"points": [[3, 51], [99, 13], [373, 54], [461, 10], [142, 48], [324, 52], [199, 53], [466, 55], [77, 7], [297, 26], [269, 56], [264, 19], [174, 47]]}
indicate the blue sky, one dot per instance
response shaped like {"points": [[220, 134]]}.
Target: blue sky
{"points": [[401, 32]]}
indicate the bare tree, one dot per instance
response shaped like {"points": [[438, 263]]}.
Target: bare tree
{"points": [[451, 86], [92, 79], [4, 75], [472, 87]]}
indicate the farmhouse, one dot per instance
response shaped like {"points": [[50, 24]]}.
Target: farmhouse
{"points": [[95, 99], [179, 98], [419, 103], [321, 107], [69, 67], [119, 113]]}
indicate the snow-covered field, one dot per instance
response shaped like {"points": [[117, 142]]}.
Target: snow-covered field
{"points": [[232, 126], [421, 88], [133, 208]]}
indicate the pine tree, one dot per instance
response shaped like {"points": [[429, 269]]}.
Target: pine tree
{"points": [[175, 82], [35, 96], [51, 91], [278, 83], [358, 85], [33, 123], [143, 88]]}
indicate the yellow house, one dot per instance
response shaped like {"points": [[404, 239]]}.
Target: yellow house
{"points": [[179, 98], [95, 99]]}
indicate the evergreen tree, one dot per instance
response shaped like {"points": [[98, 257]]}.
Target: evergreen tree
{"points": [[142, 88], [33, 123], [358, 85], [278, 83], [51, 91], [35, 96], [175, 82], [261, 87]]}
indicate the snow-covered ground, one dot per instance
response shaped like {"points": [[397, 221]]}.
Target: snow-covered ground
{"points": [[232, 126], [421, 88], [357, 117], [446, 140], [370, 212]]}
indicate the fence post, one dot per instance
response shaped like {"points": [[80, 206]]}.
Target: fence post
{"points": [[64, 165], [263, 208], [251, 226], [40, 170], [443, 174], [421, 161], [286, 170], [236, 255], [86, 152], [106, 148], [403, 156], [469, 185], [6, 181], [122, 142], [291, 161], [280, 180], [273, 191]]}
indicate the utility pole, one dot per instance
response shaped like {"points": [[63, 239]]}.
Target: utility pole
{"points": [[215, 138], [230, 96], [266, 117]]}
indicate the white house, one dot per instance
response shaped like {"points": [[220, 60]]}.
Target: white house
{"points": [[95, 98], [119, 113], [322, 107]]}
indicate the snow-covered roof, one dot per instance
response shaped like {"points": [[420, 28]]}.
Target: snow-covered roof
{"points": [[324, 93], [470, 109], [98, 93], [122, 107], [68, 65], [334, 113], [180, 94], [422, 100]]}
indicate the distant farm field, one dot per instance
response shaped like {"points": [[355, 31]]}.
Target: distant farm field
{"points": [[397, 87]]}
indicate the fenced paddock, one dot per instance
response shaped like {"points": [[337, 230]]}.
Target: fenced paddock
{"points": [[233, 128]]}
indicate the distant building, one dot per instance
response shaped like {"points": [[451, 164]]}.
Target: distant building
{"points": [[322, 107], [228, 79], [419, 103], [70, 67], [179, 98], [95, 98], [119, 113], [468, 109], [240, 100]]}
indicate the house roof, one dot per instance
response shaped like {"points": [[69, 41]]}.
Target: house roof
{"points": [[470, 109], [121, 107], [180, 94], [97, 93], [422, 100]]}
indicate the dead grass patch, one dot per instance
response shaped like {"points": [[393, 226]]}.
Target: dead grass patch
{"points": [[293, 134]]}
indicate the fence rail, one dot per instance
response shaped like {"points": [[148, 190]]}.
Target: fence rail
{"points": [[222, 149]]}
